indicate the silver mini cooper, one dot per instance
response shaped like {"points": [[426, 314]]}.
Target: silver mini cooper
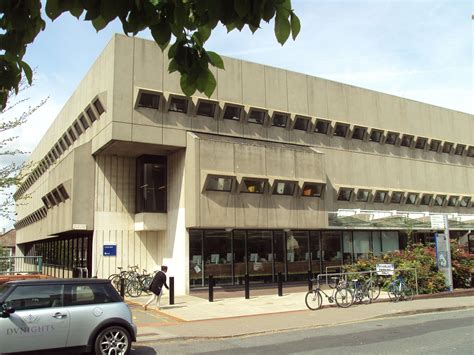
{"points": [[64, 313]]}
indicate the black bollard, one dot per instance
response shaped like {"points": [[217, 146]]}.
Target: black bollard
{"points": [[247, 287], [171, 290], [122, 287], [211, 288], [280, 285], [310, 280]]}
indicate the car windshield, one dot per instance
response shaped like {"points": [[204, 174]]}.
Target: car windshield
{"points": [[3, 290]]}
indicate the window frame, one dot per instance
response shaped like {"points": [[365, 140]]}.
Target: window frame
{"points": [[443, 201], [286, 116], [367, 197], [279, 181], [300, 118], [456, 203], [234, 118], [225, 177], [463, 149], [307, 185], [178, 98], [408, 201], [445, 146], [404, 143], [327, 125], [341, 190], [212, 104], [438, 145], [98, 106], [468, 198], [261, 111], [402, 195], [389, 134], [423, 202], [359, 128], [140, 202], [379, 131], [344, 125], [377, 193], [244, 188], [424, 141], [156, 98]]}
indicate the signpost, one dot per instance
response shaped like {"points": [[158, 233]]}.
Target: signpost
{"points": [[110, 249], [443, 249]]}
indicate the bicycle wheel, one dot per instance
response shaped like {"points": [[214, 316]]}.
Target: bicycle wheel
{"points": [[406, 293], [134, 288], [365, 296], [313, 300], [393, 293], [115, 281], [374, 290], [344, 297]]}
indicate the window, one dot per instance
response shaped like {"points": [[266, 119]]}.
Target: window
{"points": [[464, 201], [376, 135], [151, 184], [426, 199], [470, 152], [434, 145], [280, 120], [35, 297], [312, 189], [362, 195], [90, 294], [51, 199], [63, 192], [253, 186], [322, 127], [62, 144], [232, 113], [420, 143], [439, 200], [219, 183], [341, 130], [344, 194], [380, 196], [58, 149], [406, 141], [67, 140], [98, 106], [72, 134], [301, 123], [84, 122], [396, 197], [78, 128], [284, 188], [207, 109], [178, 104], [149, 100], [411, 198], [257, 116], [57, 196], [391, 138], [359, 133], [460, 149], [91, 114], [55, 154], [453, 201], [46, 202], [447, 147]]}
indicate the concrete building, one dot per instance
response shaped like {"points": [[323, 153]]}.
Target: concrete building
{"points": [[8, 243], [276, 172]]}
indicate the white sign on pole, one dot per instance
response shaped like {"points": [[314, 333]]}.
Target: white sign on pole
{"points": [[385, 269], [437, 222], [443, 256]]}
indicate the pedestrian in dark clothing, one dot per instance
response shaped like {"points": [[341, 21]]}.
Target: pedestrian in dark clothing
{"points": [[156, 287]]}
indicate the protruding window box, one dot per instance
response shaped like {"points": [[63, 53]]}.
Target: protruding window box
{"points": [[312, 188], [284, 188], [439, 200], [253, 185], [341, 130], [359, 133], [376, 135], [391, 138], [396, 197], [322, 126], [150, 221], [215, 181], [344, 194], [362, 195]]}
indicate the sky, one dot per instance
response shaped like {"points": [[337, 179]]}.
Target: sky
{"points": [[418, 49]]}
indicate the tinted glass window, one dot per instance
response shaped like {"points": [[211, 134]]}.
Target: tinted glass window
{"points": [[89, 294], [375, 135], [84, 122], [439, 200], [434, 145], [216, 183], [178, 104], [284, 188], [98, 106], [149, 100], [256, 116], [301, 123], [391, 138], [358, 133], [151, 184], [340, 130], [313, 190], [280, 120], [322, 127], [406, 141], [362, 195], [232, 113], [344, 194], [33, 297], [207, 109], [253, 186], [91, 114], [3, 290], [396, 197]]}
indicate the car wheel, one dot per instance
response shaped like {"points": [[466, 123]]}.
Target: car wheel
{"points": [[113, 340]]}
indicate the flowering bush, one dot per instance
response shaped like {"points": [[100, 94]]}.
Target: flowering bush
{"points": [[423, 259]]}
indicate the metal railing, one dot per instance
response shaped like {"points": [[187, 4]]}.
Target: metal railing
{"points": [[11, 265]]}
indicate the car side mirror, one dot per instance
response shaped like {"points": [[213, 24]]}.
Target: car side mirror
{"points": [[6, 311]]}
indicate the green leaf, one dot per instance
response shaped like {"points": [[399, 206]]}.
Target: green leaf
{"points": [[295, 25], [173, 66], [204, 33], [161, 34], [206, 83], [27, 70], [187, 86], [242, 7], [215, 59], [282, 28], [99, 23], [53, 9]]}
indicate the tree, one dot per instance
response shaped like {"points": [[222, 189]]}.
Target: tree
{"points": [[12, 172], [189, 23]]}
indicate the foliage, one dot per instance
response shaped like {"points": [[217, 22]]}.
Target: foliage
{"points": [[423, 258], [462, 263], [11, 174], [189, 22]]}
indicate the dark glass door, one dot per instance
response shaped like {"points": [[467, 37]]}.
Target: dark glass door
{"points": [[297, 255], [260, 256], [279, 254], [331, 249], [218, 257], [240, 256], [315, 252]]}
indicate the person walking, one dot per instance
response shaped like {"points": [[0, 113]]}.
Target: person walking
{"points": [[156, 287]]}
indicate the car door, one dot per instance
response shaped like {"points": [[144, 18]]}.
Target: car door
{"points": [[40, 320]]}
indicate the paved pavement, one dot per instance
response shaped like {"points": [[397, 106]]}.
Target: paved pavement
{"points": [[194, 317]]}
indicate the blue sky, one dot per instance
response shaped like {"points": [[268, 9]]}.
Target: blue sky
{"points": [[420, 49]]}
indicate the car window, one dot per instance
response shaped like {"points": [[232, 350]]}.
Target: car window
{"points": [[89, 294], [3, 290], [37, 296]]}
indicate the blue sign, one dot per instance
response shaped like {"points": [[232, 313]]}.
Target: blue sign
{"points": [[110, 250]]}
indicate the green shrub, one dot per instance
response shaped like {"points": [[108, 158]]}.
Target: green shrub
{"points": [[462, 263]]}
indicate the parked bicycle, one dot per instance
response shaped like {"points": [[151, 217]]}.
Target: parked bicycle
{"points": [[134, 283], [398, 290], [363, 293], [342, 295]]}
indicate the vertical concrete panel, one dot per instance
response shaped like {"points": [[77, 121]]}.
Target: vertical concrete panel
{"points": [[276, 92], [297, 93], [229, 81], [337, 101], [253, 82], [113, 183], [123, 80], [355, 111]]}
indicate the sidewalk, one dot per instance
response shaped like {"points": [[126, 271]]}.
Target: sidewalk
{"points": [[195, 317]]}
